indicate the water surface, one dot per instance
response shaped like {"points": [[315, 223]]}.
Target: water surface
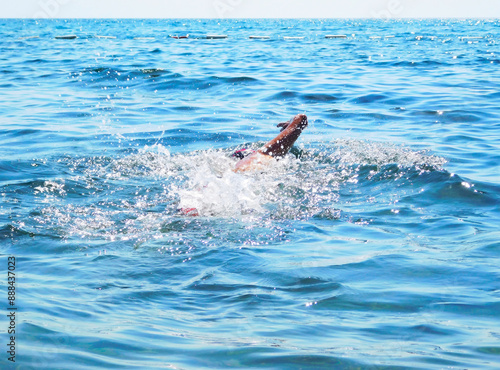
{"points": [[373, 244]]}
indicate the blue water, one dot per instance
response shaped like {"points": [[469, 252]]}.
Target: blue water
{"points": [[373, 244]]}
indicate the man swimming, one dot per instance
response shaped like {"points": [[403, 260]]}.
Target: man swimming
{"points": [[275, 149]]}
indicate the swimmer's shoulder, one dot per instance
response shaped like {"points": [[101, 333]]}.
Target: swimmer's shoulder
{"points": [[255, 161]]}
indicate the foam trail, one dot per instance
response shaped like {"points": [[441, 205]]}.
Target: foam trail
{"points": [[214, 189]]}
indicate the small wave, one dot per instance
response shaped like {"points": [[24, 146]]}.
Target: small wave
{"points": [[284, 95], [370, 98], [155, 71], [20, 132], [494, 95], [239, 80], [186, 108], [37, 61], [146, 163], [457, 191], [104, 74], [319, 98], [374, 153], [165, 79], [455, 115], [99, 70], [10, 231], [420, 63]]}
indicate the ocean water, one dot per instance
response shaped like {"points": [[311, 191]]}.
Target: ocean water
{"points": [[373, 244]]}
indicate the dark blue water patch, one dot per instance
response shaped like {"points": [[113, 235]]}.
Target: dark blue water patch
{"points": [[6, 86], [487, 310], [186, 108], [154, 72], [10, 134], [307, 285], [416, 64], [459, 208], [11, 232], [63, 340], [319, 98], [455, 115], [109, 76], [406, 304], [420, 174], [240, 80], [290, 361], [10, 171], [189, 83], [490, 350], [456, 191], [284, 96], [19, 176], [73, 114], [426, 333], [489, 246], [494, 95], [402, 101], [370, 98], [37, 61]]}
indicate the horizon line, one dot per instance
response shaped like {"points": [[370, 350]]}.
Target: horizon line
{"points": [[250, 18]]}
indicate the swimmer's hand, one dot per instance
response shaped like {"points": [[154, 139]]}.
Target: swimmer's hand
{"points": [[284, 125], [300, 120]]}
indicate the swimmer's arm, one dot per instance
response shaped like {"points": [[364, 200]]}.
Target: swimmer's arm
{"points": [[276, 148], [281, 144]]}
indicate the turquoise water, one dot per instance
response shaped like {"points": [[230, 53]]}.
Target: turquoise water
{"points": [[374, 244]]}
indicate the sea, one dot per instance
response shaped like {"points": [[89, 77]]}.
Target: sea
{"points": [[374, 244]]}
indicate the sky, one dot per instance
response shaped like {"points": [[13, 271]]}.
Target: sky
{"points": [[249, 9]]}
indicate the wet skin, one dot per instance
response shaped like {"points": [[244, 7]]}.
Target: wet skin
{"points": [[277, 147]]}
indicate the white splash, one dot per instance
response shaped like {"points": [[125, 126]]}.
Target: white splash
{"points": [[215, 190]]}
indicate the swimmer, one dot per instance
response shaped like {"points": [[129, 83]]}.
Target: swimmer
{"points": [[274, 149], [277, 148]]}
